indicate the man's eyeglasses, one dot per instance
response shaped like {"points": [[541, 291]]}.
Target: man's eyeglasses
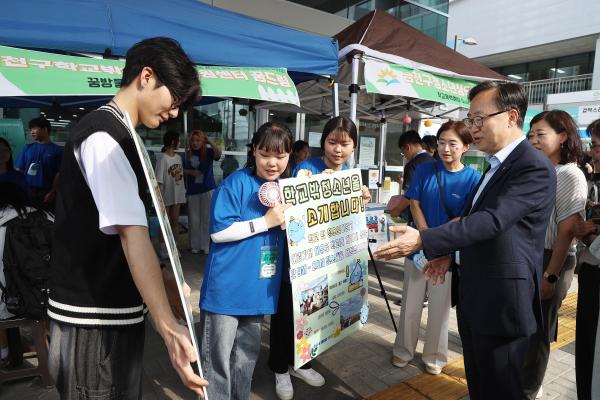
{"points": [[477, 122], [594, 145]]}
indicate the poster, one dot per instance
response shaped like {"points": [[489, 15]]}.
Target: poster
{"points": [[165, 227], [366, 154], [373, 179], [314, 139], [327, 239], [378, 225]]}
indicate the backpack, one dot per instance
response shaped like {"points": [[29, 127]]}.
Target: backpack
{"points": [[27, 249]]}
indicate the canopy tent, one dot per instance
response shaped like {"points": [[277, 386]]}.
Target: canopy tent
{"points": [[387, 70], [403, 71], [38, 74], [210, 35]]}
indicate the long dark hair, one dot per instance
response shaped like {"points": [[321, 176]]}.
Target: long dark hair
{"points": [[271, 136], [170, 139], [9, 164], [12, 195], [561, 121]]}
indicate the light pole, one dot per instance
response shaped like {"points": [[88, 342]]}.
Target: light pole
{"points": [[468, 41]]}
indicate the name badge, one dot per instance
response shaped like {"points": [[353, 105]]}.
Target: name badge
{"points": [[33, 169], [268, 262], [419, 260]]}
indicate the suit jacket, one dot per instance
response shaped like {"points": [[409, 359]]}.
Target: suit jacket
{"points": [[501, 243]]}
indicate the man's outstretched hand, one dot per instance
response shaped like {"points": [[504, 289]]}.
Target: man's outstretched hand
{"points": [[408, 242]]}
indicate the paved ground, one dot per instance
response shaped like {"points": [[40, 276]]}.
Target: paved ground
{"points": [[359, 367]]}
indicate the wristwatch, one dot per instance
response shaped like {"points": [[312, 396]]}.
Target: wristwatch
{"points": [[552, 278]]}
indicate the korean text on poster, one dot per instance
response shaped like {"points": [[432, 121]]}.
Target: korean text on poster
{"points": [[327, 238]]}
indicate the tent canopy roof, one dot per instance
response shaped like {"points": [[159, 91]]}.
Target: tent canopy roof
{"points": [[383, 36], [209, 35]]}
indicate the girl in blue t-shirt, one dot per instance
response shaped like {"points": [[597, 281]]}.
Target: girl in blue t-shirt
{"points": [[438, 194], [338, 141], [199, 185], [243, 268]]}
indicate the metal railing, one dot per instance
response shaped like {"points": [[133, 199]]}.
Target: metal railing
{"points": [[537, 90]]}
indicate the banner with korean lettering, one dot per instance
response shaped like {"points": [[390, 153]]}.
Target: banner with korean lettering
{"points": [[396, 80], [34, 73], [327, 239]]}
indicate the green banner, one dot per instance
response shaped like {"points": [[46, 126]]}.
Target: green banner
{"points": [[33, 73], [396, 80]]}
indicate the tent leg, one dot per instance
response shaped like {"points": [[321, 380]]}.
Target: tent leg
{"points": [[335, 99], [382, 140], [186, 133], [354, 88]]}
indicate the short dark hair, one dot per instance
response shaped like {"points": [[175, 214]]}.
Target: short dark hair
{"points": [[509, 96], [270, 136], [410, 137], [430, 141], [171, 138], [593, 129], [40, 122], [460, 128], [340, 125], [561, 121], [299, 145], [172, 67]]}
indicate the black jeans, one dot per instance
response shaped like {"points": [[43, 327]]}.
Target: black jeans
{"points": [[587, 323], [97, 363], [281, 337]]}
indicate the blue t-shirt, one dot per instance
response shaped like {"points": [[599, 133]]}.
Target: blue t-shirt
{"points": [[316, 165], [232, 283], [457, 187], [15, 177], [204, 182], [40, 163]]}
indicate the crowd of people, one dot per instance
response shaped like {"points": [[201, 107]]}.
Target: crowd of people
{"points": [[502, 246]]}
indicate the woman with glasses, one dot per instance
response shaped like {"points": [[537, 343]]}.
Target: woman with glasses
{"points": [[555, 134], [437, 194]]}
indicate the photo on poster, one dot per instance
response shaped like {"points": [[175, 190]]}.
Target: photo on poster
{"points": [[356, 272], [315, 296], [350, 311]]}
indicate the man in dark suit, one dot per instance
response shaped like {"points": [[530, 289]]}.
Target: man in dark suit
{"points": [[499, 241]]}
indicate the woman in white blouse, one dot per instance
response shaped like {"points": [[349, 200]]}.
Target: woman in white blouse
{"points": [[555, 134]]}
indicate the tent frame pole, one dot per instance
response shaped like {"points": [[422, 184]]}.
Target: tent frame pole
{"points": [[382, 144], [335, 99], [354, 88]]}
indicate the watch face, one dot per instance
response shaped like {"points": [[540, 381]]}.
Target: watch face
{"points": [[552, 278]]}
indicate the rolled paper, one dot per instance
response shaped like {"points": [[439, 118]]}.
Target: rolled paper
{"points": [[268, 194]]}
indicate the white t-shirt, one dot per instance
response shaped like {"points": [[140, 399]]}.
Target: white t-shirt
{"points": [[112, 181], [571, 196], [169, 173]]}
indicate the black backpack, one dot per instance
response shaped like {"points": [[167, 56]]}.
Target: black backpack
{"points": [[26, 257]]}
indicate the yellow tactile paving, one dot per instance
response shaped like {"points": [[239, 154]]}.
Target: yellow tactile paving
{"points": [[451, 383]]}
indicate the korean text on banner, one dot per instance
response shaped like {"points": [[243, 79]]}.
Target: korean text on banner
{"points": [[396, 80], [327, 238], [34, 73]]}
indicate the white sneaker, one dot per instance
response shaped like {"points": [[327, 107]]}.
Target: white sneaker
{"points": [[433, 370], [310, 376], [283, 386], [540, 393]]}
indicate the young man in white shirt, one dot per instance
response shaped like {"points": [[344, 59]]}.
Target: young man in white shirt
{"points": [[105, 270]]}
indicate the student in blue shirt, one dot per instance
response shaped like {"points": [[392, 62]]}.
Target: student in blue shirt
{"points": [[338, 141], [199, 184], [437, 194], [40, 162], [243, 268]]}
